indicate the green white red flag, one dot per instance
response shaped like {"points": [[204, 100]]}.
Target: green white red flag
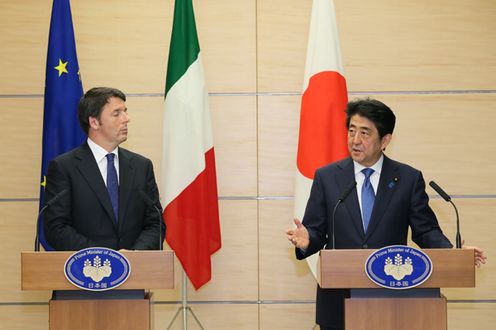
{"points": [[189, 184]]}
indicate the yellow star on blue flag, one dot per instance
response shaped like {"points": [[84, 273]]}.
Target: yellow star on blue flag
{"points": [[61, 131], [61, 68]]}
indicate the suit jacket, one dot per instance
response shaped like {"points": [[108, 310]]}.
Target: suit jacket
{"points": [[401, 202], [83, 217]]}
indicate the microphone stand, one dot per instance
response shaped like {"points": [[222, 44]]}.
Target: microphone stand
{"points": [[343, 196], [161, 219], [49, 203], [333, 221], [458, 238], [149, 202], [37, 237], [447, 198]]}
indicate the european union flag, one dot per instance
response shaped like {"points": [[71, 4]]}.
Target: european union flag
{"points": [[63, 90]]}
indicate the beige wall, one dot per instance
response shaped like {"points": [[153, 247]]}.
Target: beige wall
{"points": [[433, 62]]}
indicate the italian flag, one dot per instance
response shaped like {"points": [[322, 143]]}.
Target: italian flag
{"points": [[323, 134], [189, 184]]}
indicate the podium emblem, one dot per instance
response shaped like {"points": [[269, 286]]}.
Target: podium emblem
{"points": [[398, 267], [97, 269]]}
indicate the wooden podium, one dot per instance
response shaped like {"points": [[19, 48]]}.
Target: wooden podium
{"points": [[149, 270], [372, 307]]}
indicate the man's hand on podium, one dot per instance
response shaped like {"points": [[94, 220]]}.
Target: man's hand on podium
{"points": [[298, 236], [479, 256]]}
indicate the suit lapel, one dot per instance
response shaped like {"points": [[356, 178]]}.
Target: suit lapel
{"points": [[385, 191], [89, 170], [126, 177], [351, 202]]}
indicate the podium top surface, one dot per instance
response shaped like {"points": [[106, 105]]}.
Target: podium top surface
{"points": [[452, 268], [45, 270]]}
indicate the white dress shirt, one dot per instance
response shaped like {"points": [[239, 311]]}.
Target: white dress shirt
{"points": [[374, 178], [100, 155]]}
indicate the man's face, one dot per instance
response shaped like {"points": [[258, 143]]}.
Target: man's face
{"points": [[364, 144], [111, 129]]}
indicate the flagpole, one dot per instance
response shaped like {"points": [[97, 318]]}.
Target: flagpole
{"points": [[189, 182], [184, 306], [185, 301]]}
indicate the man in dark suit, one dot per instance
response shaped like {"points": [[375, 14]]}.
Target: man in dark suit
{"points": [[389, 198], [101, 185]]}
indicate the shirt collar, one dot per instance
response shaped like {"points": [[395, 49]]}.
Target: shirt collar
{"points": [[377, 167], [99, 153]]}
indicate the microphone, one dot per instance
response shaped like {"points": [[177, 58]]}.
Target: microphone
{"points": [[341, 199], [150, 203], [58, 196], [447, 198], [440, 191]]}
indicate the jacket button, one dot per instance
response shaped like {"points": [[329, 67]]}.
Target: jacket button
{"points": [[365, 246]]}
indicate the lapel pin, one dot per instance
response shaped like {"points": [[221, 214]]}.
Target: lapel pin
{"points": [[393, 183]]}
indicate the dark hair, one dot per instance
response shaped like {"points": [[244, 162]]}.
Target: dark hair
{"points": [[375, 111], [92, 103]]}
